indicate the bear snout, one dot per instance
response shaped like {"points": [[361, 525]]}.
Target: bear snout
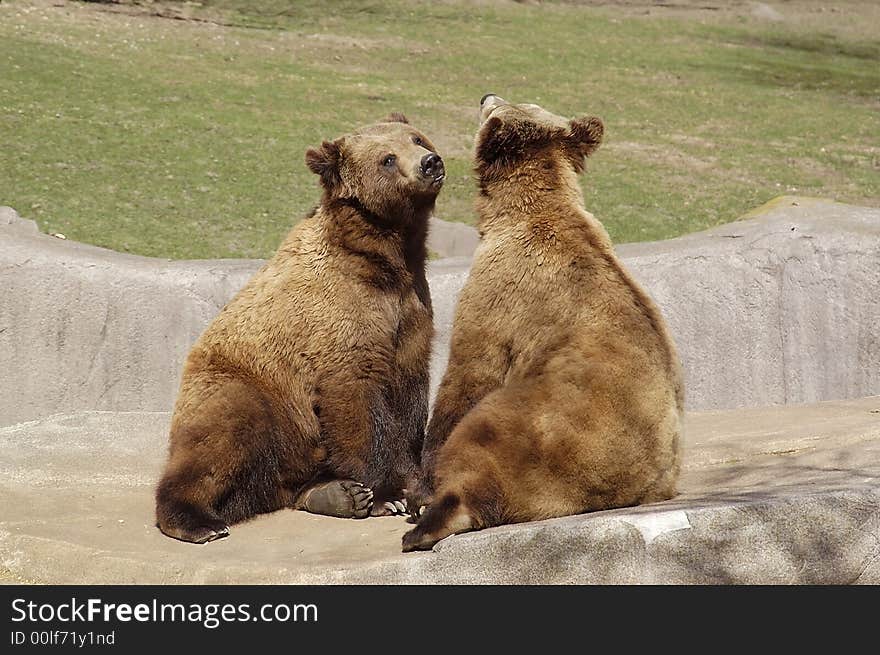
{"points": [[432, 166], [488, 104]]}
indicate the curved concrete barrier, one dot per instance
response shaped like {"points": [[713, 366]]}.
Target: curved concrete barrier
{"points": [[779, 308], [87, 328], [783, 307]]}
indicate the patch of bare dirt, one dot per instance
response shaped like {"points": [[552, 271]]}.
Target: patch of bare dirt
{"points": [[856, 19], [666, 155]]}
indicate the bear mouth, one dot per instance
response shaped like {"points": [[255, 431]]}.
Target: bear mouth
{"points": [[433, 180]]}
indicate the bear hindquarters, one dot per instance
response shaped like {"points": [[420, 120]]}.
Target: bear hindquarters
{"points": [[526, 453], [234, 454]]}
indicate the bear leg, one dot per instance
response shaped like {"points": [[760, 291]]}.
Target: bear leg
{"points": [[345, 499], [185, 520], [441, 519], [236, 451]]}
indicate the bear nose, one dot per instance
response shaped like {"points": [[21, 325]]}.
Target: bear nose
{"points": [[432, 164], [484, 98]]}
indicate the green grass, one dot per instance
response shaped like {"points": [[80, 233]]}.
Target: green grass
{"points": [[186, 139]]}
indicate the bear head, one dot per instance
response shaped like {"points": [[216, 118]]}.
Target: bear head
{"points": [[390, 169], [511, 136]]}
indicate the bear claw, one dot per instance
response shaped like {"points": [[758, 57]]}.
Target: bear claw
{"points": [[201, 534], [213, 535], [390, 508]]}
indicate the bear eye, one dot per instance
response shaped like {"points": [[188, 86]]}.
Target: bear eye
{"points": [[418, 141], [389, 161]]}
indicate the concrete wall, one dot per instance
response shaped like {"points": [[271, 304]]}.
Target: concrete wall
{"points": [[782, 308], [83, 327]]}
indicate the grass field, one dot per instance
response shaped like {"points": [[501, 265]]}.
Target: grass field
{"points": [[185, 138]]}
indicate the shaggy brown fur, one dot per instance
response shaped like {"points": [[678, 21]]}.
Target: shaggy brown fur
{"points": [[317, 370], [563, 392]]}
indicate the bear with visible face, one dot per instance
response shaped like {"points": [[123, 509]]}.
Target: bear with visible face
{"points": [[309, 390], [563, 393]]}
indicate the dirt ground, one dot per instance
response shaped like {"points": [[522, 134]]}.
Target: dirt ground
{"points": [[846, 17], [852, 18]]}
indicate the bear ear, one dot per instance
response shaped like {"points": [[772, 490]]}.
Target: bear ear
{"points": [[324, 161], [584, 136], [396, 117]]}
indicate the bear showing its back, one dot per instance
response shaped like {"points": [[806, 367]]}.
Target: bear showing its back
{"points": [[563, 393], [309, 389]]}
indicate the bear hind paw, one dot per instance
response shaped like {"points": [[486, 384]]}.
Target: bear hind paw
{"points": [[339, 498]]}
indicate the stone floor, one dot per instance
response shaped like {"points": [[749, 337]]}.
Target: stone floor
{"points": [[778, 495]]}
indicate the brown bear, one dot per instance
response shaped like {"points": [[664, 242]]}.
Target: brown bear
{"points": [[309, 389], [563, 393]]}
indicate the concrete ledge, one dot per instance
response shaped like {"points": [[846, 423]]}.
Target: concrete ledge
{"points": [[777, 495], [87, 328], [780, 308]]}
